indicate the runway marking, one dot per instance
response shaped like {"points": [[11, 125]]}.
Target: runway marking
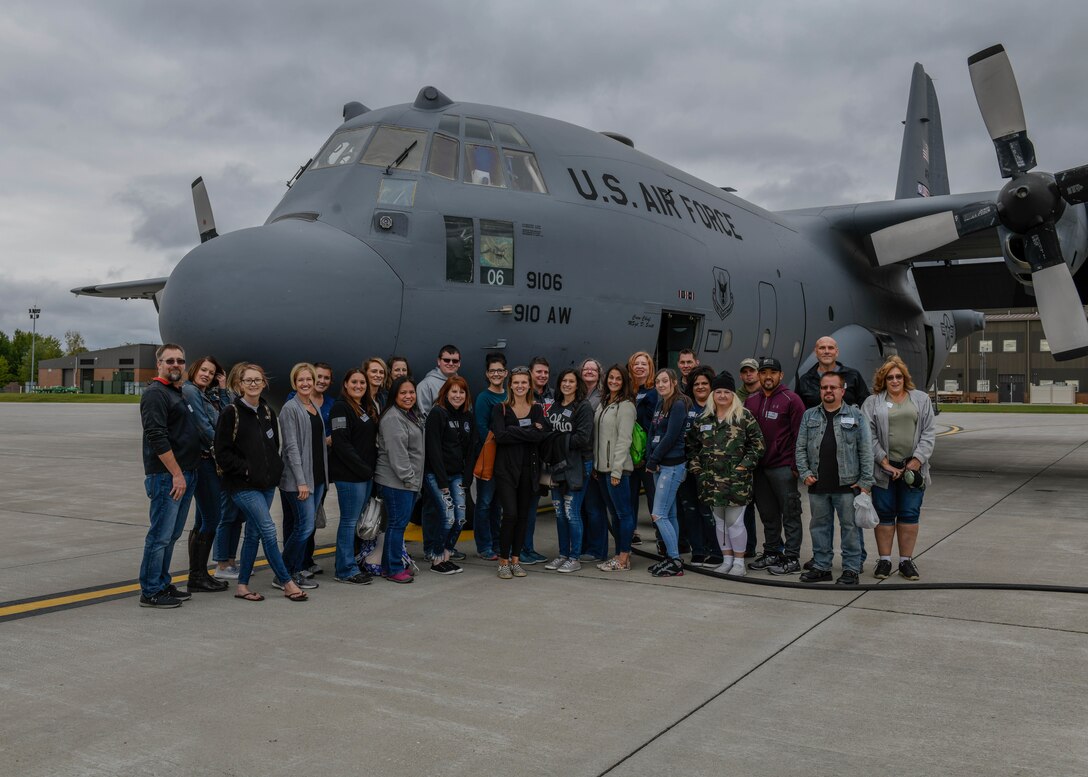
{"points": [[951, 430]]}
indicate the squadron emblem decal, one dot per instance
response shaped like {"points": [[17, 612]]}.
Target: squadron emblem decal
{"points": [[723, 293]]}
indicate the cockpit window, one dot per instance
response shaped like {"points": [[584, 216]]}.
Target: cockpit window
{"points": [[394, 191], [443, 159], [343, 148], [524, 172], [509, 135], [477, 129], [450, 124], [396, 147], [482, 166]]}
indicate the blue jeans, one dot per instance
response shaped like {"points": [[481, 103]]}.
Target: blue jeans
{"points": [[594, 517], [618, 498], [398, 509], [294, 545], [260, 530], [821, 526], [898, 503], [229, 530], [352, 498], [486, 518], [167, 523], [568, 517], [440, 524], [667, 481], [208, 498]]}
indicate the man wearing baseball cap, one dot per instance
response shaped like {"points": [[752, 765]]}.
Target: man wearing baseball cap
{"points": [[749, 379], [778, 412]]}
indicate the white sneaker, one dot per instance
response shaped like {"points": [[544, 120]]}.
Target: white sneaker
{"points": [[739, 569], [227, 573], [725, 566], [555, 563]]}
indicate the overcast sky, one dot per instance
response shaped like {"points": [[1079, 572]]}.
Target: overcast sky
{"points": [[110, 110]]}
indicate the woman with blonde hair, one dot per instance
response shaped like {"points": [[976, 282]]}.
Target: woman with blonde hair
{"points": [[377, 383], [641, 373], [903, 429], [306, 466], [724, 445]]}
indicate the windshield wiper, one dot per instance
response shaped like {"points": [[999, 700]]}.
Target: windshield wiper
{"points": [[403, 155]]}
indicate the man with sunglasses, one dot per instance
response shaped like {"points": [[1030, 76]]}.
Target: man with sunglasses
{"points": [[171, 451], [449, 362]]}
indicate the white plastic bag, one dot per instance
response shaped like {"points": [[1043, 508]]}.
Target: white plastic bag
{"points": [[865, 516]]}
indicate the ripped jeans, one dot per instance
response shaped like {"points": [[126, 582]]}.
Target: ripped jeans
{"points": [[568, 517]]}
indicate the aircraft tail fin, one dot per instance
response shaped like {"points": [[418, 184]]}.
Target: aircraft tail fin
{"points": [[922, 168]]}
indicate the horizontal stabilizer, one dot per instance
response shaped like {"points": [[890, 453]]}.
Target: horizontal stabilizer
{"points": [[145, 289]]}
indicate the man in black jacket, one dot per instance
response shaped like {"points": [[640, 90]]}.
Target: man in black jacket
{"points": [[171, 451], [827, 354]]}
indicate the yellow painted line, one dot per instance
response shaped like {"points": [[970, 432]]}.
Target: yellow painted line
{"points": [[952, 430]]}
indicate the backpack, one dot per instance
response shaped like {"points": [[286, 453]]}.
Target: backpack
{"points": [[638, 444]]}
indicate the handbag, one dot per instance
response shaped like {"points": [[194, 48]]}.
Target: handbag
{"points": [[370, 522], [638, 444], [485, 462], [865, 516]]}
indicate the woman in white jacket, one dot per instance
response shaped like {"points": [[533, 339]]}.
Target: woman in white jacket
{"points": [[903, 430], [612, 463]]}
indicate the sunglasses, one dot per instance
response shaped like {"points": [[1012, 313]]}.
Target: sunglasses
{"points": [[172, 362]]}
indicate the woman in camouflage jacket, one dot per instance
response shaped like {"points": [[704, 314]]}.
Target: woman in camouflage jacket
{"points": [[723, 446]]}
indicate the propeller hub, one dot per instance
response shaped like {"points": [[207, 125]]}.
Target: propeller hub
{"points": [[1029, 200]]}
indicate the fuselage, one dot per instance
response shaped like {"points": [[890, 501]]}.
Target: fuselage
{"points": [[495, 229]]}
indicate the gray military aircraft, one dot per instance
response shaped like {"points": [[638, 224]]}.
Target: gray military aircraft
{"points": [[439, 221]]}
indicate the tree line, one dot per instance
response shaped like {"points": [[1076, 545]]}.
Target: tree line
{"points": [[15, 352]]}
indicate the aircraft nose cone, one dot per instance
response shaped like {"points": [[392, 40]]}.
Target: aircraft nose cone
{"points": [[283, 293]]}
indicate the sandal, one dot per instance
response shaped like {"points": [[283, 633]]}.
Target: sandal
{"points": [[250, 596], [614, 565], [297, 596]]}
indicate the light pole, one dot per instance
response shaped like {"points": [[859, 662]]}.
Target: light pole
{"points": [[34, 313]]}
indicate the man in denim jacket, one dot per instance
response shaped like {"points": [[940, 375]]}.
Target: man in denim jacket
{"points": [[835, 460]]}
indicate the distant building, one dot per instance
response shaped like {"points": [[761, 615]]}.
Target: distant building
{"points": [[1003, 361], [101, 372]]}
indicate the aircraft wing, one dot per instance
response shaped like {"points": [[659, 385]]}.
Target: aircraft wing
{"points": [[860, 221], [145, 289]]}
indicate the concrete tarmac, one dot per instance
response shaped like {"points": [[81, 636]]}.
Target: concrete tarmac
{"points": [[583, 674]]}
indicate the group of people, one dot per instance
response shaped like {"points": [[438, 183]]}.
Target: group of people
{"points": [[708, 454]]}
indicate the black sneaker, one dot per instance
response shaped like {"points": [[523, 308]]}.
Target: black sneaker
{"points": [[454, 567], [652, 569], [814, 575], [714, 560], [162, 601], [908, 570], [361, 578], [883, 569], [810, 564], [443, 568], [635, 539], [785, 566], [672, 567], [698, 560], [456, 555], [848, 577], [184, 596], [764, 560]]}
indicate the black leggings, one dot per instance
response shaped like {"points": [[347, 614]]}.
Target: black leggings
{"points": [[516, 500]]}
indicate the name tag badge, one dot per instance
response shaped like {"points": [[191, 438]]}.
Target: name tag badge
{"points": [[890, 405], [364, 418], [848, 422], [268, 434], [567, 413], [189, 406], [706, 427], [771, 415], [657, 439], [453, 424], [525, 422]]}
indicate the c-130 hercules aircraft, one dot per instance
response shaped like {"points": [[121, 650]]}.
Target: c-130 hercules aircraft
{"points": [[494, 229]]}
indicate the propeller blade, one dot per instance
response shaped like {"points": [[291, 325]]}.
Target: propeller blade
{"points": [[998, 99], [1063, 316], [912, 238], [205, 221], [1073, 184]]}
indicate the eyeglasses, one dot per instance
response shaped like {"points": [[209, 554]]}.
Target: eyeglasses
{"points": [[454, 360], [831, 388], [253, 381], [496, 372], [894, 377], [172, 362]]}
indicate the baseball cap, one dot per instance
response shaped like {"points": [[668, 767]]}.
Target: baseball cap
{"points": [[749, 363], [770, 363]]}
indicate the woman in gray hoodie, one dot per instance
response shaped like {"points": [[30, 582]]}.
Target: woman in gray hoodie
{"points": [[399, 472]]}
